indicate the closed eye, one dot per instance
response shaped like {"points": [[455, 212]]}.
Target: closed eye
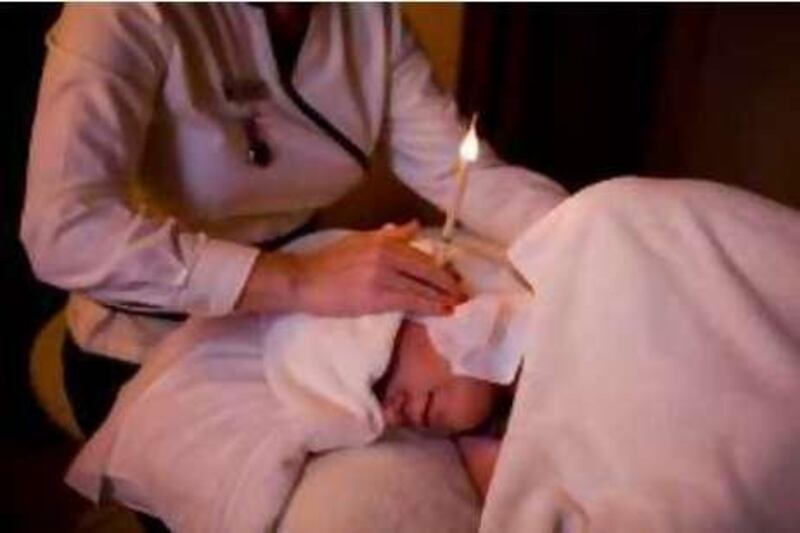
{"points": [[426, 414]]}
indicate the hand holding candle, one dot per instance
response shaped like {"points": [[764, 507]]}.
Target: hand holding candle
{"points": [[468, 153]]}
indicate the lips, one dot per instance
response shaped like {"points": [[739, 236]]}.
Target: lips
{"points": [[416, 413], [403, 409]]}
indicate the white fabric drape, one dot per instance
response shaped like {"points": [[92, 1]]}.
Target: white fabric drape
{"points": [[660, 391]]}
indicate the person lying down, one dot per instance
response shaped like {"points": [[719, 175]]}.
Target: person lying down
{"points": [[659, 387], [212, 432]]}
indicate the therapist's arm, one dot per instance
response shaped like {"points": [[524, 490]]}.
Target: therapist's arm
{"points": [[81, 226], [423, 135]]}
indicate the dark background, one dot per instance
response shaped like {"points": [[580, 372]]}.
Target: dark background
{"points": [[32, 453], [584, 92], [579, 92]]}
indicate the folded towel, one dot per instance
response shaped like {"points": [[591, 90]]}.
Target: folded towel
{"points": [[484, 337]]}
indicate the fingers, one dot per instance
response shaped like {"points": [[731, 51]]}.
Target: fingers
{"points": [[415, 264], [412, 293], [402, 233], [412, 303], [419, 267], [398, 282]]}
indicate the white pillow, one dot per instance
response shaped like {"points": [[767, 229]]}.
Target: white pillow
{"points": [[403, 484]]}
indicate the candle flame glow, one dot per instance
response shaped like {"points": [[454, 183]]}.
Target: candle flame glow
{"points": [[469, 146]]}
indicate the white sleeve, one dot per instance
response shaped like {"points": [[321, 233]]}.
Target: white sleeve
{"points": [[103, 71], [424, 133]]}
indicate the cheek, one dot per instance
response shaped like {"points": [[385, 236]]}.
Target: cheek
{"points": [[464, 405]]}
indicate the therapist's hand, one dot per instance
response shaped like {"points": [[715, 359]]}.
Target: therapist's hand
{"points": [[369, 272]]}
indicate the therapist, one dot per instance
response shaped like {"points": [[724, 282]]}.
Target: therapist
{"points": [[175, 147]]}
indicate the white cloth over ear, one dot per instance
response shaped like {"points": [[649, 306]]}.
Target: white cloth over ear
{"points": [[484, 336]]}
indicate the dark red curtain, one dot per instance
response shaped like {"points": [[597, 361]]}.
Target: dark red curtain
{"points": [[565, 89], [583, 92]]}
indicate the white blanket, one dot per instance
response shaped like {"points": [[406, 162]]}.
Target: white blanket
{"points": [[661, 385]]}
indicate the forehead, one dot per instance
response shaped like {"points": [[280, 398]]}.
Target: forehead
{"points": [[415, 358]]}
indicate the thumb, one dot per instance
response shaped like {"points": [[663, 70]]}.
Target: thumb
{"points": [[405, 232]]}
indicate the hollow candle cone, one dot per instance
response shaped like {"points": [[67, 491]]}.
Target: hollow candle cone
{"points": [[468, 153]]}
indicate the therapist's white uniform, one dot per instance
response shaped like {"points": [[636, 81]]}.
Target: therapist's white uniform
{"points": [[139, 188]]}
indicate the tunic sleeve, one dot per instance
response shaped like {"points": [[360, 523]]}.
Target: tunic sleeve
{"points": [[423, 134], [103, 73]]}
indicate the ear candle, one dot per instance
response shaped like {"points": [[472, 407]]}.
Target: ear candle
{"points": [[468, 153]]}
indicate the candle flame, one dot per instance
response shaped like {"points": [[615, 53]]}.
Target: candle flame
{"points": [[469, 146]]}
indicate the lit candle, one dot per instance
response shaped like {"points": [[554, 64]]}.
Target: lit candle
{"points": [[468, 153]]}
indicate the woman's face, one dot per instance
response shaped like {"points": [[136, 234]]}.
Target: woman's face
{"points": [[421, 392]]}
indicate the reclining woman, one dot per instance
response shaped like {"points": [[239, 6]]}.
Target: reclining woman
{"points": [[212, 432], [658, 388]]}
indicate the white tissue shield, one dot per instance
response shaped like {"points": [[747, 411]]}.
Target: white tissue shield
{"points": [[485, 337]]}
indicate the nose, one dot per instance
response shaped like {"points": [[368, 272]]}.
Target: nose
{"points": [[414, 410], [393, 409]]}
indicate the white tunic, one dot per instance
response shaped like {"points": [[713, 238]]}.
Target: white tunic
{"points": [[139, 188]]}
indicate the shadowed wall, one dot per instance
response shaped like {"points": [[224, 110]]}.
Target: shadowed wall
{"points": [[584, 92], [727, 104]]}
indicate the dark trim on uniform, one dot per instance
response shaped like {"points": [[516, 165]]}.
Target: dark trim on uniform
{"points": [[325, 125]]}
